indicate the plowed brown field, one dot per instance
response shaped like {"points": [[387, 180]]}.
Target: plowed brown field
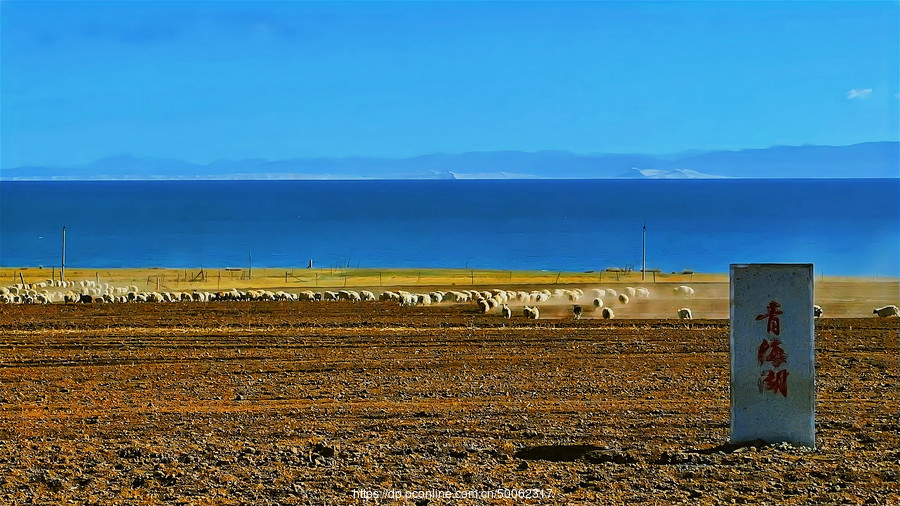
{"points": [[324, 403]]}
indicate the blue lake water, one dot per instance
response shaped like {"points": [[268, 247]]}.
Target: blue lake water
{"points": [[848, 227]]}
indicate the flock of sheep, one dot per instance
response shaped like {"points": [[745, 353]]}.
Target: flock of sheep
{"points": [[488, 301], [498, 301]]}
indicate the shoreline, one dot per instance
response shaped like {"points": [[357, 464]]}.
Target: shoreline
{"points": [[237, 277], [262, 277], [424, 276]]}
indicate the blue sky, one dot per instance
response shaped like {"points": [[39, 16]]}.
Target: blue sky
{"points": [[201, 81]]}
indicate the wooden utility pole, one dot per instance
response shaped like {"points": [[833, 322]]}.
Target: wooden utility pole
{"points": [[643, 251], [250, 262], [62, 270]]}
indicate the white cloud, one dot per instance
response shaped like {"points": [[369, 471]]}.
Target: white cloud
{"points": [[859, 93]]}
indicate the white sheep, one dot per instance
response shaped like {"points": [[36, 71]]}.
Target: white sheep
{"points": [[685, 313], [683, 291], [454, 296], [531, 312], [598, 302], [887, 311], [407, 299], [542, 296], [607, 313], [506, 311], [623, 298], [643, 293]]}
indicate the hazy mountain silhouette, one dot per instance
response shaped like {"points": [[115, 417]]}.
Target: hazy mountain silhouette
{"points": [[867, 160]]}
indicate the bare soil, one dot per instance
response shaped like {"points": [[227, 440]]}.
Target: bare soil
{"points": [[305, 403]]}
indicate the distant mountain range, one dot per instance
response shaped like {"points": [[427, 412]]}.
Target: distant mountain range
{"points": [[867, 160]]}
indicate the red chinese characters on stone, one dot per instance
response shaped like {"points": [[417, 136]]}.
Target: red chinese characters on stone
{"points": [[775, 382], [773, 325], [771, 351], [772, 380]]}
